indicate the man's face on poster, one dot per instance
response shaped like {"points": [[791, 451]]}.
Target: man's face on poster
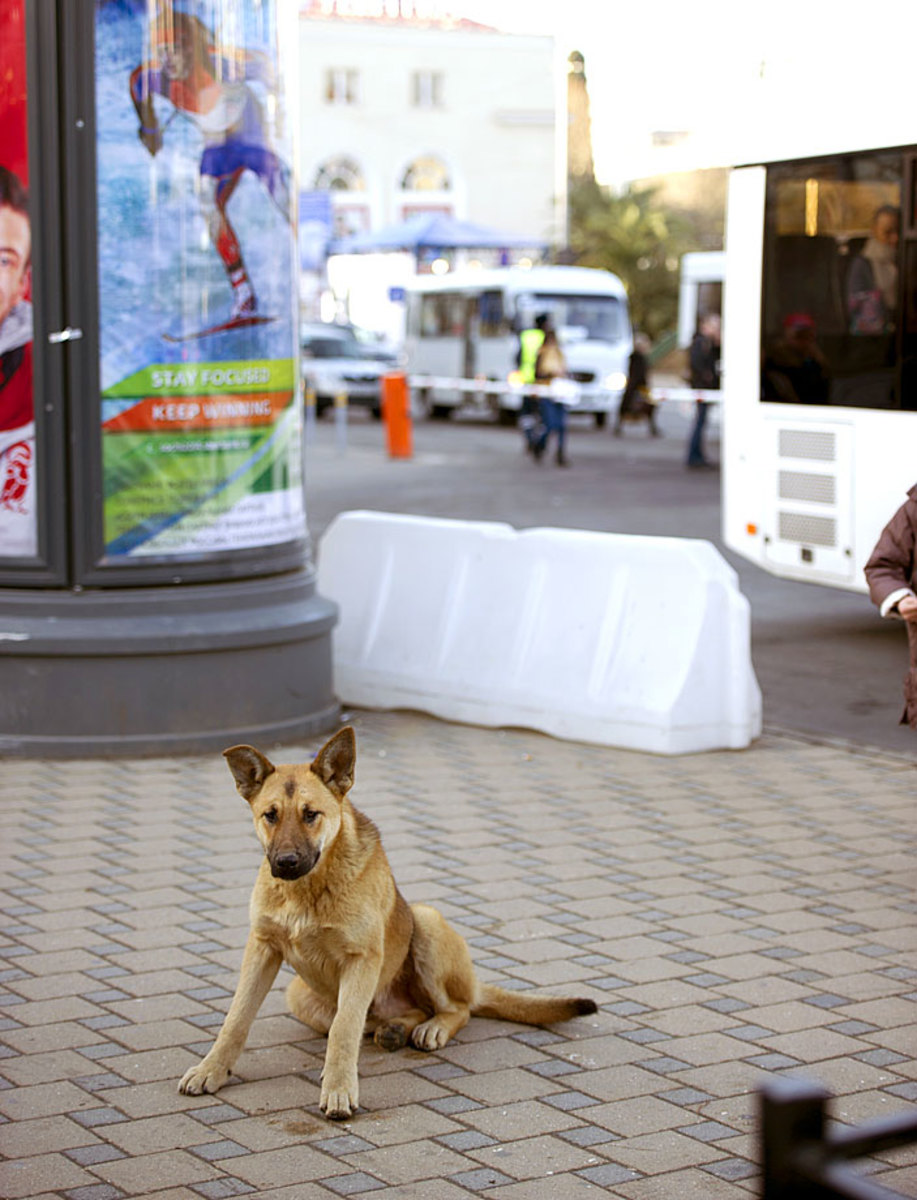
{"points": [[15, 246]]}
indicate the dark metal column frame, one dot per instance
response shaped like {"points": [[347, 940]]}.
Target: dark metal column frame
{"points": [[80, 322]]}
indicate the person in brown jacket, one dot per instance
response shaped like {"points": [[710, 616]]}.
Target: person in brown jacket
{"points": [[891, 573]]}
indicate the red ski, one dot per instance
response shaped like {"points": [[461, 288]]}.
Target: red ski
{"points": [[223, 327]]}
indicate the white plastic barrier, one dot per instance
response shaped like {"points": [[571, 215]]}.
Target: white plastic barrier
{"points": [[637, 642]]}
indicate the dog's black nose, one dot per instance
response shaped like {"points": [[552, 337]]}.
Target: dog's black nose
{"points": [[287, 866]]}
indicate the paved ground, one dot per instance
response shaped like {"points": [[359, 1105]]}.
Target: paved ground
{"points": [[734, 914]]}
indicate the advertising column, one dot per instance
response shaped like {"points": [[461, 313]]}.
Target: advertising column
{"points": [[198, 280], [157, 592]]}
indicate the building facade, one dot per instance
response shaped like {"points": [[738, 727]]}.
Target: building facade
{"points": [[402, 115]]}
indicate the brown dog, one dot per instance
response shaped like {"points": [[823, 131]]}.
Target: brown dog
{"points": [[326, 903]]}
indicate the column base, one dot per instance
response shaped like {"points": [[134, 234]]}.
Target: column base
{"points": [[170, 670]]}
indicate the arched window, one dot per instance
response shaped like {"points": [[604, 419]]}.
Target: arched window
{"points": [[426, 174], [340, 175]]}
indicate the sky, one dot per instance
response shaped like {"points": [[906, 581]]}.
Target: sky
{"points": [[746, 80]]}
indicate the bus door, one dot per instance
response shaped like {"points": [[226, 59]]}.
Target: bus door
{"points": [[496, 343], [471, 329]]}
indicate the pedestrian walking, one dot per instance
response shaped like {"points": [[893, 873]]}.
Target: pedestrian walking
{"points": [[530, 342], [704, 361], [636, 402], [550, 372]]}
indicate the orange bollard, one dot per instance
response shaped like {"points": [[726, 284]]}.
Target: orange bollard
{"points": [[396, 411]]}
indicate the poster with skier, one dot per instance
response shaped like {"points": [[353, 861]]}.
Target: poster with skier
{"points": [[198, 291]]}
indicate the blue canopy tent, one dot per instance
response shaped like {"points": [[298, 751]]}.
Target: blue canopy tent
{"points": [[434, 231]]}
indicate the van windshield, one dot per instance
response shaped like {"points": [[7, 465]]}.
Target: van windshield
{"points": [[590, 318]]}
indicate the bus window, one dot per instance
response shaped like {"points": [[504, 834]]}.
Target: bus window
{"points": [[832, 331], [490, 315], [442, 315], [590, 318], [709, 299]]}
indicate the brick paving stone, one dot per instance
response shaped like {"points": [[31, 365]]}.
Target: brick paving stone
{"points": [[87, 1156], [272, 1132], [27, 1177], [43, 1099], [480, 1179], [98, 1191], [608, 1176], [569, 1187], [408, 1162], [159, 1133], [406, 1124], [732, 1168], [526, 1119], [627, 1119], [666, 1150], [503, 1087], [41, 1135], [588, 1135], [216, 1189], [529, 1158], [689, 1184], [621, 1082], [356, 1184]]}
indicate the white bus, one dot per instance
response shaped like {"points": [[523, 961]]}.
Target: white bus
{"points": [[462, 336], [819, 359]]}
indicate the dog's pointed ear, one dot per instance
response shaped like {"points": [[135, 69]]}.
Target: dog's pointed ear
{"points": [[334, 763], [249, 769]]}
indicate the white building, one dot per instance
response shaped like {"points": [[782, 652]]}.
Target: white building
{"points": [[401, 115]]}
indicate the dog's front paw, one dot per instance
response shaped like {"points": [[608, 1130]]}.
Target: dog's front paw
{"points": [[204, 1078], [339, 1099], [430, 1035]]}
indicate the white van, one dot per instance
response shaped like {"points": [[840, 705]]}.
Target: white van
{"points": [[462, 336]]}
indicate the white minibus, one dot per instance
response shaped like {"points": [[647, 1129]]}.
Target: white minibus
{"points": [[462, 336]]}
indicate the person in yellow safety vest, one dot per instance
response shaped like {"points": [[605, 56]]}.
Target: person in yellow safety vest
{"points": [[529, 344]]}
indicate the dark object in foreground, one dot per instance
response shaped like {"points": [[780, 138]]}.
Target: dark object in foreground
{"points": [[804, 1162]]}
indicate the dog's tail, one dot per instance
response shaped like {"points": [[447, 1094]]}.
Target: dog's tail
{"points": [[504, 1005]]}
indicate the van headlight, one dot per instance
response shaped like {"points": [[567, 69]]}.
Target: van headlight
{"points": [[615, 381]]}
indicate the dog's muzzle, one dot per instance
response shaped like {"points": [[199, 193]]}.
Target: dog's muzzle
{"points": [[292, 866]]}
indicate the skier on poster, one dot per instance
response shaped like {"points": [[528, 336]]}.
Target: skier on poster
{"points": [[210, 86]]}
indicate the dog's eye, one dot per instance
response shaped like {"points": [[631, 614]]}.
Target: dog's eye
{"points": [[309, 816], [271, 816]]}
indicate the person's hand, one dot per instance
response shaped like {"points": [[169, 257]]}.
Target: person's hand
{"points": [[907, 607]]}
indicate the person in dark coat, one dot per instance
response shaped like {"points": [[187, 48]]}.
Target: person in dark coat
{"points": [[704, 363], [891, 573], [636, 403]]}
